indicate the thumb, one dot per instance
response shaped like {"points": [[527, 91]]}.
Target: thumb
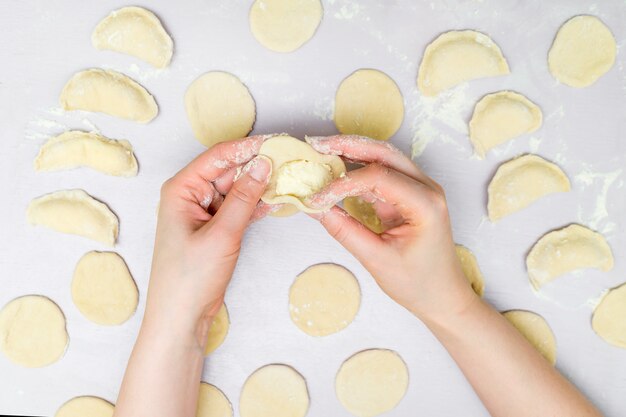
{"points": [[235, 212]]}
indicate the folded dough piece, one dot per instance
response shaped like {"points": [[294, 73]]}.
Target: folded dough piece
{"points": [[471, 270], [501, 116], [608, 319], [298, 171], [109, 92], [134, 31], [76, 148], [564, 250], [520, 182], [364, 212], [86, 406], [218, 330], [536, 330], [75, 212], [459, 56]]}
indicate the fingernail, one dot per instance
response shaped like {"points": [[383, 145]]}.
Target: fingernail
{"points": [[259, 168]]}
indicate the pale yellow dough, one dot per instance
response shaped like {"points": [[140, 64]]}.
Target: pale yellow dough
{"points": [[212, 402], [74, 148], [285, 210], [471, 270], [134, 31], [372, 382], [32, 331], [109, 92], [324, 299], [583, 50], [364, 212], [369, 103], [536, 330], [218, 330], [75, 212], [285, 25], [86, 406], [103, 288], [459, 56], [282, 150], [219, 108], [564, 250], [609, 317], [274, 391], [520, 182], [501, 116]]}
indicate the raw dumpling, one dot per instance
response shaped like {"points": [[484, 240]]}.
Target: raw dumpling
{"points": [[212, 402], [564, 250], [285, 25], [86, 406], [469, 264], [536, 330], [520, 182], [369, 103], [75, 212], [75, 148], [583, 50], [218, 330], [364, 212], [219, 108], [134, 31], [109, 92], [502, 116], [609, 317], [459, 56], [298, 171]]}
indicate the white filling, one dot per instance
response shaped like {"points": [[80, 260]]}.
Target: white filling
{"points": [[302, 178]]}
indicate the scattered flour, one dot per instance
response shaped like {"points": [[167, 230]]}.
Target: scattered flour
{"points": [[596, 215]]}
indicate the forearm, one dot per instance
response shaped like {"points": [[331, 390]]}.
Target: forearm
{"points": [[508, 374]]}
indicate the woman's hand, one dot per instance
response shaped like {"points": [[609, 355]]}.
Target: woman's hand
{"points": [[414, 259]]}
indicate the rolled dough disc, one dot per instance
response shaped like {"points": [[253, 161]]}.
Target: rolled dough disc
{"points": [[324, 299], [536, 330], [217, 331], [372, 382], [86, 406], [609, 317], [32, 331], [212, 402], [274, 391], [103, 289]]}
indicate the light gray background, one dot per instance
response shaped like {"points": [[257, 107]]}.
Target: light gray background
{"points": [[44, 42]]}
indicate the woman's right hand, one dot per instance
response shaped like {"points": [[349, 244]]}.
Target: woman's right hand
{"points": [[414, 259]]}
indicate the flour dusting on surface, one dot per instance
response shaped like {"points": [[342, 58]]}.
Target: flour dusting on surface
{"points": [[596, 215]]}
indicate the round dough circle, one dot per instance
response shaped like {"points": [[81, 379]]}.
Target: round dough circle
{"points": [[32, 331], [369, 103], [608, 317], [536, 330], [285, 25], [86, 406], [218, 330], [212, 402], [103, 289], [372, 382], [364, 212], [274, 391], [219, 108], [324, 299], [583, 50]]}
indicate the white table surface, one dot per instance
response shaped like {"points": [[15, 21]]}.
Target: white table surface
{"points": [[44, 42]]}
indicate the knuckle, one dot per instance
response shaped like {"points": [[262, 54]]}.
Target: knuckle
{"points": [[438, 205], [243, 193]]}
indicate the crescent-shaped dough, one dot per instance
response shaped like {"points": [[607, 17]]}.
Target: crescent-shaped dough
{"points": [[86, 406], [459, 56], [536, 330], [520, 182], [471, 270], [364, 212], [583, 50], [212, 402], [564, 250], [134, 31], [217, 331], [298, 171], [502, 116], [609, 317], [109, 92], [75, 212], [75, 148]]}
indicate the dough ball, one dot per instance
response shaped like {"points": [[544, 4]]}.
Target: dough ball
{"points": [[372, 382], [583, 50], [369, 103], [364, 212], [302, 178], [535, 329], [32, 331], [212, 402], [219, 108], [609, 317], [103, 289], [285, 25], [218, 330], [324, 299], [86, 406], [470, 267], [274, 391]]}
